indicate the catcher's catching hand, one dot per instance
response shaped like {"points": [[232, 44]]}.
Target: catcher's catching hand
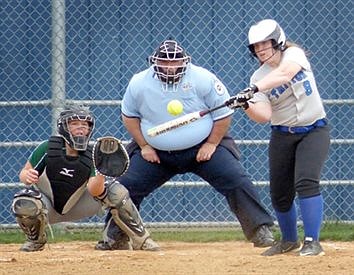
{"points": [[109, 156]]}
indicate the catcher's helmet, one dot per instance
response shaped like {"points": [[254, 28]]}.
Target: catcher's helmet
{"points": [[169, 51], [267, 29], [75, 112]]}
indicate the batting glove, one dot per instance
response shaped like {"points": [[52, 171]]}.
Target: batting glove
{"points": [[233, 103], [241, 99], [251, 90]]}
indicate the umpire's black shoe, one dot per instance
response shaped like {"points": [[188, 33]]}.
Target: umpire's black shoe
{"points": [[263, 237]]}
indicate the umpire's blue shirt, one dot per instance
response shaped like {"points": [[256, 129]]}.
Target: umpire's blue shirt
{"points": [[147, 99]]}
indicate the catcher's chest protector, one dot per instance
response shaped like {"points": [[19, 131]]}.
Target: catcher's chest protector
{"points": [[66, 176]]}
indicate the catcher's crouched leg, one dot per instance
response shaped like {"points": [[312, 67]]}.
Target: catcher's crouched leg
{"points": [[126, 217], [113, 237], [31, 216]]}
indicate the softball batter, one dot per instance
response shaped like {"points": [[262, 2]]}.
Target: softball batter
{"points": [[285, 93]]}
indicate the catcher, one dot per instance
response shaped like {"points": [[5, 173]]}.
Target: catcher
{"points": [[66, 182]]}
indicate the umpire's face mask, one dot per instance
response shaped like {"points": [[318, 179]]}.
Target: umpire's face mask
{"points": [[170, 73]]}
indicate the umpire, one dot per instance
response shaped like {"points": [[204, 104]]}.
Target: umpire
{"points": [[202, 147]]}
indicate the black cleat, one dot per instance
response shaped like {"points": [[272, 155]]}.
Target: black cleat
{"points": [[281, 247], [311, 248], [263, 237]]}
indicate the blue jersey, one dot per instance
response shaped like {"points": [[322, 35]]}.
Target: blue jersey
{"points": [[147, 99]]}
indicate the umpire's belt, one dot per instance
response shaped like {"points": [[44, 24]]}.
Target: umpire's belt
{"points": [[300, 129]]}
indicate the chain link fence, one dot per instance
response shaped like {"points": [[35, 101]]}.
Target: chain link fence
{"points": [[54, 52]]}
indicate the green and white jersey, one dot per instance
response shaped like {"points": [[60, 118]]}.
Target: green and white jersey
{"points": [[38, 158], [63, 178]]}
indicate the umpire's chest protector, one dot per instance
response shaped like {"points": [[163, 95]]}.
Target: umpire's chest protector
{"points": [[66, 176]]}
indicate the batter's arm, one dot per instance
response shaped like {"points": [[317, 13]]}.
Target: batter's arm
{"points": [[260, 111], [283, 74]]}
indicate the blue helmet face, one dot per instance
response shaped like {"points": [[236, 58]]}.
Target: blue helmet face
{"points": [[80, 113], [170, 62]]}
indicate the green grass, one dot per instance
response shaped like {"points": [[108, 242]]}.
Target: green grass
{"points": [[338, 232], [330, 231]]}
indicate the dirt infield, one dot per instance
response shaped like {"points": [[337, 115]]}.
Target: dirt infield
{"points": [[174, 258]]}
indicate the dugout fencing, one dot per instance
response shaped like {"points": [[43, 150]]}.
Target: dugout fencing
{"points": [[59, 51]]}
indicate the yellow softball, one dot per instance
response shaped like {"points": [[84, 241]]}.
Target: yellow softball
{"points": [[175, 107]]}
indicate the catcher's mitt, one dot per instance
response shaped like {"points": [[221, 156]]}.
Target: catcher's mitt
{"points": [[110, 157]]}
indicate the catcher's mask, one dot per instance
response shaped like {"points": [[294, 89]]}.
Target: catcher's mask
{"points": [[169, 61], [71, 113]]}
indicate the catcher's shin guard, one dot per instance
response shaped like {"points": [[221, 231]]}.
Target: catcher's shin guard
{"points": [[31, 216], [131, 224], [114, 238], [125, 214]]}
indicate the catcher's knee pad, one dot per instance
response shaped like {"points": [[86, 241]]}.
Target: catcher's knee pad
{"points": [[27, 203], [307, 188], [31, 214], [117, 194], [118, 197]]}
